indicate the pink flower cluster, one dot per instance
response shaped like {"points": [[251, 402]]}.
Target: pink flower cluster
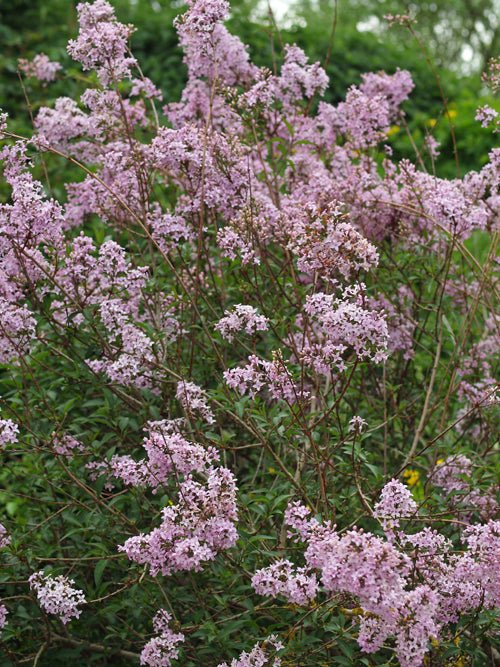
{"points": [[66, 445], [486, 115], [169, 454], [57, 596], [492, 76], [454, 477], [161, 650], [483, 542], [102, 42], [8, 432], [243, 318], [194, 400], [3, 617], [451, 475], [298, 585], [4, 538], [400, 19], [357, 424], [247, 170], [17, 329], [108, 284], [339, 325], [330, 245], [66, 122], [298, 79], [41, 68], [400, 321], [192, 157], [202, 522], [233, 243], [273, 376], [395, 502], [203, 16], [210, 52], [395, 88], [258, 656], [381, 575]]}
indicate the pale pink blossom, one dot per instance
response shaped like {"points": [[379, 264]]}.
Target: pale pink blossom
{"points": [[241, 318], [4, 538], [161, 650], [258, 656], [9, 432], [3, 617], [41, 68], [57, 595]]}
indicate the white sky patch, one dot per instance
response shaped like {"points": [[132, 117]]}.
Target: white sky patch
{"points": [[283, 10], [279, 7], [370, 24]]}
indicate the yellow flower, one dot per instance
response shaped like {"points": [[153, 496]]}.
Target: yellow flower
{"points": [[412, 477], [394, 130]]}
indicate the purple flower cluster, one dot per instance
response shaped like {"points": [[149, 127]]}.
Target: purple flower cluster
{"points": [[243, 318], [57, 596], [8, 432], [258, 656], [102, 42], [4, 538], [381, 576], [41, 68], [202, 522], [161, 650], [273, 376], [3, 617], [395, 502], [194, 400]]}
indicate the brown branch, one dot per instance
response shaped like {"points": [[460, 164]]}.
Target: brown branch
{"points": [[96, 648]]}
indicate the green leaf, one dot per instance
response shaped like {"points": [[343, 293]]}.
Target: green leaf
{"points": [[449, 329], [99, 569]]}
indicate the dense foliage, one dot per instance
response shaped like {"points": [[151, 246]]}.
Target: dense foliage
{"points": [[249, 363]]}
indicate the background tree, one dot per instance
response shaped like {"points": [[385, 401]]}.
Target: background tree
{"points": [[461, 35]]}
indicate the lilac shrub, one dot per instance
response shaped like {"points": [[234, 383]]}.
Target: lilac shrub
{"points": [[299, 323]]}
